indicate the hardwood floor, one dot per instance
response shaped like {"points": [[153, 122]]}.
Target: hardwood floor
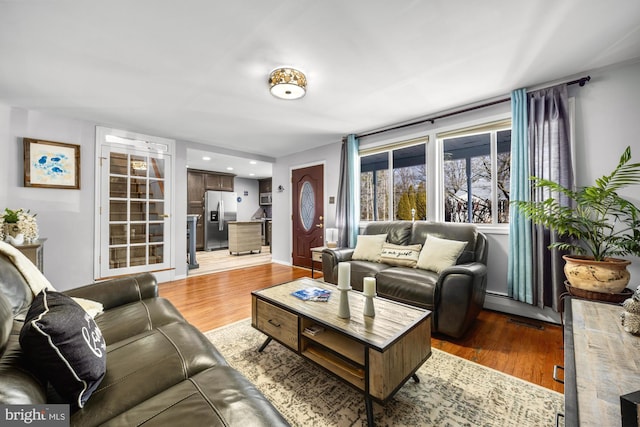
{"points": [[521, 347]]}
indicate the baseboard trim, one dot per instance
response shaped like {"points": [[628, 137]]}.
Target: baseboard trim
{"points": [[504, 304]]}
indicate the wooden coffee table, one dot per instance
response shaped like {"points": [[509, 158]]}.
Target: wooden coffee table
{"points": [[375, 355]]}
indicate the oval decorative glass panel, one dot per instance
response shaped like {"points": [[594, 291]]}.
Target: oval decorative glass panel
{"points": [[307, 205]]}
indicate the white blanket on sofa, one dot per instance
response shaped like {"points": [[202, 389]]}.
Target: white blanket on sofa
{"points": [[36, 280]]}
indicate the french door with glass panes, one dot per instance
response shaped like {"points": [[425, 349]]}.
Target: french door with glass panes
{"points": [[134, 211]]}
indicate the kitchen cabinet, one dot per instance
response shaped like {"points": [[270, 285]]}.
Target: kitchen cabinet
{"points": [[264, 185], [198, 182], [195, 203], [219, 182]]}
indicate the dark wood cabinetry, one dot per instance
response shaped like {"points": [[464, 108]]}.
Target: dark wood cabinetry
{"points": [[264, 185], [198, 182], [219, 182], [195, 203]]}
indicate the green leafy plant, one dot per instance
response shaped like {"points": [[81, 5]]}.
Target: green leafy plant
{"points": [[11, 217], [600, 223]]}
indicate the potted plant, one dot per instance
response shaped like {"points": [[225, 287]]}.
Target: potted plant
{"points": [[10, 221], [16, 222], [600, 226]]}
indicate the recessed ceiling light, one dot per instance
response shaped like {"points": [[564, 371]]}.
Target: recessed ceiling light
{"points": [[253, 162], [206, 158], [229, 168]]}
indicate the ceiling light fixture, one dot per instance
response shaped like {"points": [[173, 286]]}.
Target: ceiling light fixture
{"points": [[287, 83]]}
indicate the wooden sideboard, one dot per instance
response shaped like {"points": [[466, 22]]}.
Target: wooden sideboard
{"points": [[601, 363]]}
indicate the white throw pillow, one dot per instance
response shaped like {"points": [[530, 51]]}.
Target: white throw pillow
{"points": [[438, 254], [404, 255], [369, 247]]}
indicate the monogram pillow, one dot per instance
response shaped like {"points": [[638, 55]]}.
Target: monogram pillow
{"points": [[402, 255], [65, 346]]}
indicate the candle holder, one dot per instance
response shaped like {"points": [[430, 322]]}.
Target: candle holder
{"points": [[343, 307], [369, 309]]}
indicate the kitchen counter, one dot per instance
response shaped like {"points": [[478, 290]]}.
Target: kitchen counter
{"points": [[245, 236]]}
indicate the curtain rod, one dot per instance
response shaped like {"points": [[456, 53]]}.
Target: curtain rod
{"points": [[581, 82]]}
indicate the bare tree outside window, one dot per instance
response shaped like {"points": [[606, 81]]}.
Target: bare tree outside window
{"points": [[406, 193], [474, 181]]}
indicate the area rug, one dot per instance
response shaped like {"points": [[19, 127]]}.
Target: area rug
{"points": [[222, 260], [452, 391]]}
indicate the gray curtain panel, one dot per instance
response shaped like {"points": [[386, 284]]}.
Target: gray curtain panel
{"points": [[550, 158]]}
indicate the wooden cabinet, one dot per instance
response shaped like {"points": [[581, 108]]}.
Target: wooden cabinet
{"points": [[219, 182], [264, 185], [195, 203], [198, 182]]}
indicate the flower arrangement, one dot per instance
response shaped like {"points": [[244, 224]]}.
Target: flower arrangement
{"points": [[19, 221]]}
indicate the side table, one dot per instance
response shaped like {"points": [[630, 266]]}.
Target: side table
{"points": [[316, 256], [35, 252]]}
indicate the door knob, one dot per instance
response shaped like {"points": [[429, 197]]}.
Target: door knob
{"points": [[321, 218], [164, 216], [319, 225]]}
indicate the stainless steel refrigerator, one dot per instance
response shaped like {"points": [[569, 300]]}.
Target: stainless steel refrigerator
{"points": [[220, 208]]}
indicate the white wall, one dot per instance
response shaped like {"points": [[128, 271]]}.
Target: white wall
{"points": [[250, 203], [65, 217], [607, 121]]}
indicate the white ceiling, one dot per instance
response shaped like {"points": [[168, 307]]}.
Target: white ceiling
{"points": [[196, 70]]}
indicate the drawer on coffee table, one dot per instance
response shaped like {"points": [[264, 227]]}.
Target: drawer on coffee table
{"points": [[277, 323]]}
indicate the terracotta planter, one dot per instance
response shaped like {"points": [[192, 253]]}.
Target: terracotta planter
{"points": [[610, 276]]}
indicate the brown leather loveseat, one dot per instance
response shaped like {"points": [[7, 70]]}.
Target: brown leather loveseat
{"points": [[455, 295], [160, 370]]}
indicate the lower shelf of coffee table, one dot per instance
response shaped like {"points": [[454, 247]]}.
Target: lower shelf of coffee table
{"points": [[347, 371]]}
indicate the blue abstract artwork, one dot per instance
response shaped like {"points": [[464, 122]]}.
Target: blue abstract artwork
{"points": [[52, 165]]}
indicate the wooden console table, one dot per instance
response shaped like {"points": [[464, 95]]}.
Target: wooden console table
{"points": [[35, 252], [600, 363]]}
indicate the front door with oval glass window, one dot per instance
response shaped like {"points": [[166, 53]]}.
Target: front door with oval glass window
{"points": [[308, 213]]}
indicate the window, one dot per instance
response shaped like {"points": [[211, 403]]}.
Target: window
{"points": [[476, 174], [393, 182]]}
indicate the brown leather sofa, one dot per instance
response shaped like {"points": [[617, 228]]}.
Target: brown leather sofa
{"points": [[455, 296], [160, 369]]}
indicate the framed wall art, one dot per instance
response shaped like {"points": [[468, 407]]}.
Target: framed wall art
{"points": [[49, 164]]}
